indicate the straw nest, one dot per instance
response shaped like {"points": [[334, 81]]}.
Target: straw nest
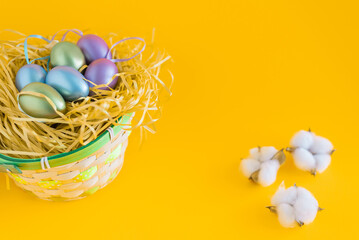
{"points": [[139, 91]]}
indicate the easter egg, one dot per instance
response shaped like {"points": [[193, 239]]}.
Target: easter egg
{"points": [[68, 82], [28, 74], [101, 72], [39, 107], [67, 54], [93, 47]]}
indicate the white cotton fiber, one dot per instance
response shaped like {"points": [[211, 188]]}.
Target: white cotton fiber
{"points": [[305, 211], [262, 165], [294, 205], [303, 159], [268, 172], [303, 193], [283, 195], [254, 153], [321, 145], [322, 162], [277, 197], [249, 166], [302, 139], [311, 152], [286, 215], [266, 153]]}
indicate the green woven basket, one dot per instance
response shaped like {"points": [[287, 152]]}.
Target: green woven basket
{"points": [[75, 174]]}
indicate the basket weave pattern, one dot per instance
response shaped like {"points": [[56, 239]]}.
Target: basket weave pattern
{"points": [[78, 179]]}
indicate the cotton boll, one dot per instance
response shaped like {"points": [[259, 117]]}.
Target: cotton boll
{"points": [[266, 153], [249, 166], [321, 145], [295, 204], [268, 172], [302, 139], [323, 161], [311, 152], [303, 159], [286, 215], [305, 210], [262, 165], [284, 196]]}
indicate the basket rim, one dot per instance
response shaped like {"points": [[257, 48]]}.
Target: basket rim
{"points": [[68, 157]]}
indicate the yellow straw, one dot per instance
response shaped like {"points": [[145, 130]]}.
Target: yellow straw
{"points": [[139, 89]]}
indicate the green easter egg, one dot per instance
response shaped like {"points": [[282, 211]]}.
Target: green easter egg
{"points": [[67, 54], [39, 107]]}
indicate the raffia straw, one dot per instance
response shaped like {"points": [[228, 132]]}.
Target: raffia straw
{"points": [[138, 90]]}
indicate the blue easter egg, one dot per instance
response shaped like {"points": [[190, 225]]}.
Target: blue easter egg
{"points": [[68, 82], [28, 74]]}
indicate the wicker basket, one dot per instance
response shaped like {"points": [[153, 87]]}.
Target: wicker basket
{"points": [[73, 175]]}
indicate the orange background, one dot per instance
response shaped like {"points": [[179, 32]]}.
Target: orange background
{"points": [[247, 73]]}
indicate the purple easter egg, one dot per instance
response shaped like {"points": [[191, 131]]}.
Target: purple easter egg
{"points": [[93, 47], [101, 72]]}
